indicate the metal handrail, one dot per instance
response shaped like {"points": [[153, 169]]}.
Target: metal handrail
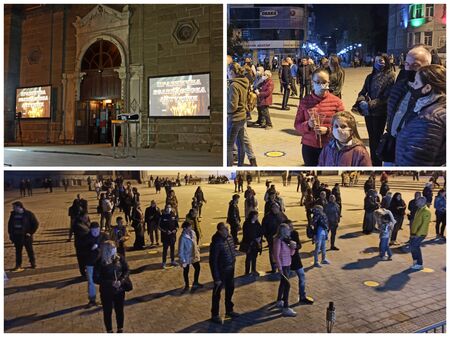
{"points": [[434, 328]]}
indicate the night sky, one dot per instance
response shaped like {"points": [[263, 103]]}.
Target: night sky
{"points": [[367, 23]]}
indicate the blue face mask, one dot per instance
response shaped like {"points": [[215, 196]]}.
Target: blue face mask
{"points": [[379, 66]]}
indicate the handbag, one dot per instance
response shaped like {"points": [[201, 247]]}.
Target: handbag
{"points": [[309, 232], [126, 283]]}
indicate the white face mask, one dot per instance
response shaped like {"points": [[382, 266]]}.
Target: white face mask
{"points": [[95, 232], [114, 251], [320, 88], [342, 135]]}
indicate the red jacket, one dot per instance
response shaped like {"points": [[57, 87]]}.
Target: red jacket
{"points": [[354, 155], [326, 106], [265, 93]]}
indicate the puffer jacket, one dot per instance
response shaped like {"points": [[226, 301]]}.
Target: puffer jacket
{"points": [[237, 98], [222, 255], [327, 106], [421, 142], [377, 87], [352, 155], [333, 213], [188, 250], [233, 217], [396, 95], [265, 93]]}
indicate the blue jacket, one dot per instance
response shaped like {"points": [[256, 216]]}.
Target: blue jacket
{"points": [[440, 204]]}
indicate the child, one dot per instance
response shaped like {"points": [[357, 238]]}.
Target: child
{"points": [[346, 147], [386, 226]]}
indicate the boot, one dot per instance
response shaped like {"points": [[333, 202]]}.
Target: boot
{"points": [[253, 162]]}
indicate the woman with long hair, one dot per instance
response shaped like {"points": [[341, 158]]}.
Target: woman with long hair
{"points": [[251, 243], [337, 76], [112, 272]]}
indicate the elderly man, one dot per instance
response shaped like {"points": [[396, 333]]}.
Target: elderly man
{"points": [[400, 104]]}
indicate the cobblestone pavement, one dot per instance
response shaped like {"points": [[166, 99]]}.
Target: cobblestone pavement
{"points": [[283, 137], [102, 155], [52, 298]]}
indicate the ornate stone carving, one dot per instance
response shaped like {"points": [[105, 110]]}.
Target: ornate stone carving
{"points": [[185, 32]]}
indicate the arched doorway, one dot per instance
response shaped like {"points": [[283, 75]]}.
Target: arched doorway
{"points": [[100, 93]]}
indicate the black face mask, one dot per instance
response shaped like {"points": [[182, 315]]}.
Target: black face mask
{"points": [[417, 93], [410, 75]]}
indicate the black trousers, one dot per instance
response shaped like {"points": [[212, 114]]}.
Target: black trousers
{"points": [[397, 226], [440, 219], [286, 94], [196, 266], [310, 155], [152, 230], [375, 127], [250, 260], [293, 86], [27, 242], [272, 261], [166, 245], [234, 233], [305, 89], [284, 287], [333, 229], [110, 301], [227, 279]]}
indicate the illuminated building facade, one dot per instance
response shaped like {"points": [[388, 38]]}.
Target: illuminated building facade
{"points": [[414, 24], [98, 59]]}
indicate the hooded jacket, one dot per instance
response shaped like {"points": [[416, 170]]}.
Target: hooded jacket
{"points": [[327, 106], [188, 250], [237, 98], [352, 155]]}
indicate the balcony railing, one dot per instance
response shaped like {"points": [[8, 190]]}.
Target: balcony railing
{"points": [[435, 328]]}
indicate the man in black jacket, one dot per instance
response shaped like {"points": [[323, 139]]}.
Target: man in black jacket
{"points": [[152, 216], [270, 223], [234, 218], [22, 225], [168, 225], [222, 258], [92, 247], [304, 74], [285, 79], [80, 231]]}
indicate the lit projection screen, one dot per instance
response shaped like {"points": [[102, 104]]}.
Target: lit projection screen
{"points": [[34, 102], [179, 96]]}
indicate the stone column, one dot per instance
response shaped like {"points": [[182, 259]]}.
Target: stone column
{"points": [[71, 97], [136, 105]]}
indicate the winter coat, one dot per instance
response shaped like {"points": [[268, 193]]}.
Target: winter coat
{"points": [[396, 95], [282, 253], [336, 191], [92, 255], [265, 93], [304, 73], [188, 250], [384, 188], [286, 75], [375, 92], [337, 82], [119, 235], [270, 223], [320, 223], [168, 223], [397, 207], [222, 255], [428, 193], [422, 140], [326, 106], [333, 213], [106, 274], [385, 228], [296, 262], [421, 222], [233, 217], [237, 99], [440, 204], [352, 155], [195, 225], [152, 216], [250, 232], [22, 224], [370, 204]]}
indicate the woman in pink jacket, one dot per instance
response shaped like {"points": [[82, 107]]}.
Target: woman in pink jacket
{"points": [[283, 249], [314, 114]]}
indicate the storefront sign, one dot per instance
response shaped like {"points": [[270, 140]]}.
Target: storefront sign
{"points": [[34, 102], [289, 44]]}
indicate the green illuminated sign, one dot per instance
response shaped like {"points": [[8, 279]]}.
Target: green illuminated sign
{"points": [[417, 22]]}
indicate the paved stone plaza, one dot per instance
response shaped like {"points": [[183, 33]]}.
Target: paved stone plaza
{"points": [[283, 137], [52, 298]]}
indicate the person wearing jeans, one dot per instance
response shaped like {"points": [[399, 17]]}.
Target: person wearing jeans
{"points": [[419, 230], [386, 227], [283, 249], [92, 246], [440, 204], [333, 212], [189, 253], [320, 224]]}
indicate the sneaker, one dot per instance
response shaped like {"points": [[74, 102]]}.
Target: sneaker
{"points": [[305, 301], [417, 267], [279, 304], [216, 319], [325, 261], [384, 258], [17, 269], [232, 314], [288, 312], [334, 248], [317, 265], [163, 266]]}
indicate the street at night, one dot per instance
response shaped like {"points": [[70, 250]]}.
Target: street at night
{"points": [[370, 295]]}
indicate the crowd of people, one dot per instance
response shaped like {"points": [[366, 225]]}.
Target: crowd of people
{"points": [[101, 246], [404, 115]]}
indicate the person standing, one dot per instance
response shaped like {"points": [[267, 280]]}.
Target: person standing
{"points": [[371, 204], [151, 218], [192, 217], [283, 249], [294, 69], [251, 243], [270, 223], [304, 76], [297, 266], [285, 81], [398, 208], [250, 204], [440, 204], [386, 227], [264, 101], [189, 253], [168, 225], [419, 230], [222, 259], [337, 76], [333, 213], [119, 235], [92, 246], [80, 231], [22, 225], [172, 201], [320, 225], [137, 220], [106, 208], [200, 200], [412, 207], [234, 218], [428, 193], [22, 188], [112, 272]]}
